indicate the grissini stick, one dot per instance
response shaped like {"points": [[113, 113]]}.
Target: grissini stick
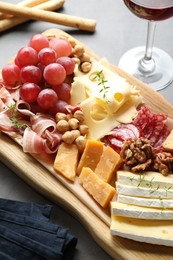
{"points": [[47, 16], [27, 3], [50, 5]]}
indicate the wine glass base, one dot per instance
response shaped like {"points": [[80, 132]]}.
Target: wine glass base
{"points": [[162, 75]]}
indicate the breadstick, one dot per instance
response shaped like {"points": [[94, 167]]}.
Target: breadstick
{"points": [[57, 18], [50, 5], [27, 3]]}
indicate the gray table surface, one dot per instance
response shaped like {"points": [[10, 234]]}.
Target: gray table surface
{"points": [[117, 30]]}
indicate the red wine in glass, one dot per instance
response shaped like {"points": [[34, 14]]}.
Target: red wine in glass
{"points": [[156, 13], [151, 65]]}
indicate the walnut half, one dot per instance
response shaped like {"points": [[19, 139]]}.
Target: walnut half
{"points": [[137, 154], [164, 163]]}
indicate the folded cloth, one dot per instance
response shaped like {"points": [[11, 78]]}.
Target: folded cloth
{"points": [[29, 208], [32, 236]]}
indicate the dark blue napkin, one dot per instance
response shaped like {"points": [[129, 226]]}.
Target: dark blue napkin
{"points": [[27, 233]]}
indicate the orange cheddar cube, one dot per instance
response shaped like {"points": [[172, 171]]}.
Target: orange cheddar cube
{"points": [[109, 162], [66, 160], [91, 155], [101, 191]]}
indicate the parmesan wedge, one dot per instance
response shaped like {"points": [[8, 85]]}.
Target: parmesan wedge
{"points": [[101, 191], [66, 160]]}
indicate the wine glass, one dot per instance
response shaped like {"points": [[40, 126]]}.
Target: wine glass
{"points": [[149, 64]]}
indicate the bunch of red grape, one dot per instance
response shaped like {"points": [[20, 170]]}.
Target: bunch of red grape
{"points": [[40, 71]]}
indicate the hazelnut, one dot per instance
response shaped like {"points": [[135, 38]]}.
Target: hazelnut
{"points": [[73, 123], [59, 116], [83, 129], [75, 133], [78, 50], [78, 114], [76, 60], [80, 142], [85, 57], [62, 125], [85, 66], [68, 137], [71, 41]]}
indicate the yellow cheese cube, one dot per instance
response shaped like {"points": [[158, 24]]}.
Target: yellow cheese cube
{"points": [[101, 191], [91, 155], [66, 160], [109, 162]]}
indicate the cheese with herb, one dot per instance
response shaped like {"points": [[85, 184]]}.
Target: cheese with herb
{"points": [[144, 192], [146, 202], [148, 179], [132, 211], [105, 98], [150, 231]]}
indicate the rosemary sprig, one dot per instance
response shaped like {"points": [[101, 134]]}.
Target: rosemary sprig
{"points": [[102, 84]]}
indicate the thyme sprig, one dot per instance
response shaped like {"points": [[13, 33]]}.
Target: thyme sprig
{"points": [[14, 117], [102, 84]]}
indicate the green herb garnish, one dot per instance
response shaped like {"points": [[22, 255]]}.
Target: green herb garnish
{"points": [[14, 117], [102, 84]]}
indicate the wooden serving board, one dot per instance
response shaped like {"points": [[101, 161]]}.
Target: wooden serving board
{"points": [[73, 197]]}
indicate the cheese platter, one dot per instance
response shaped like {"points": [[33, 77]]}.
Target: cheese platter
{"points": [[51, 179]]}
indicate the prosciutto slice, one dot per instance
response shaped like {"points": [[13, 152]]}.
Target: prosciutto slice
{"points": [[5, 98], [42, 122], [34, 143]]}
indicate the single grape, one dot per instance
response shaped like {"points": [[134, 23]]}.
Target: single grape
{"points": [[17, 63], [60, 106], [47, 56], [61, 46], [27, 56], [38, 42], [11, 75], [29, 92], [63, 91], [47, 98], [35, 108], [30, 74], [67, 63], [54, 74]]}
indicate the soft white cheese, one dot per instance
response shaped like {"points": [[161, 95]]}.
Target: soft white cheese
{"points": [[144, 192], [146, 202], [148, 179], [150, 231], [131, 211]]}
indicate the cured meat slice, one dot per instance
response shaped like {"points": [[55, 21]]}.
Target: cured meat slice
{"points": [[42, 122], [121, 133], [5, 98], [34, 143], [151, 126]]}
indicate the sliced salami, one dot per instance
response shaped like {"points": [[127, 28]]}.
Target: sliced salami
{"points": [[121, 133], [151, 126]]}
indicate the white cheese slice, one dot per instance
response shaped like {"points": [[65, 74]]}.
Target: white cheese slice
{"points": [[144, 192], [78, 93], [110, 89], [131, 211], [146, 202], [106, 101], [148, 179], [150, 231], [99, 124]]}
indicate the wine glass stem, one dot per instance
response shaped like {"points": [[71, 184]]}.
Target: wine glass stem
{"points": [[146, 64]]}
